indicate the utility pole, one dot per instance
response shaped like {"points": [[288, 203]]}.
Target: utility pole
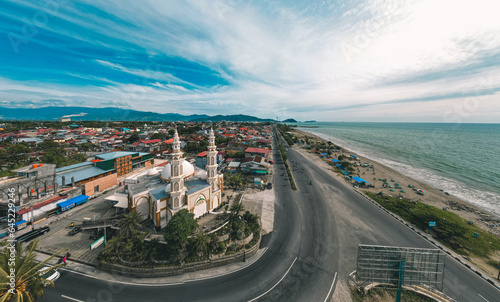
{"points": [[105, 232], [32, 218]]}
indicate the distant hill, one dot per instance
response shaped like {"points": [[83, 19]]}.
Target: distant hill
{"points": [[310, 121], [289, 120], [113, 114]]}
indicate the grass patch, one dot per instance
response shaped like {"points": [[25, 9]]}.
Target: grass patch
{"points": [[451, 229], [288, 172], [382, 295]]}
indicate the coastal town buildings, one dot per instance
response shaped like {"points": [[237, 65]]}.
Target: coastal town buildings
{"points": [[106, 153]]}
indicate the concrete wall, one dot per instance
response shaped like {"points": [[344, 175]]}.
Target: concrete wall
{"points": [[154, 272], [24, 185], [103, 183]]}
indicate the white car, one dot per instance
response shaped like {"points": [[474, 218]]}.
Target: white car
{"points": [[48, 274]]}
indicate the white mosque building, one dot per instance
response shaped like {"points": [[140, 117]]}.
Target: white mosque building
{"points": [[187, 187]]}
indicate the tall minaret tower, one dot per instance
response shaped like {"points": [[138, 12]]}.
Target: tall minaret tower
{"points": [[212, 161], [176, 176]]}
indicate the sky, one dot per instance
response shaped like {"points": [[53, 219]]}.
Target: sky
{"points": [[379, 60]]}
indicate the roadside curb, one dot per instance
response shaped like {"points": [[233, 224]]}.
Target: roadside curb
{"points": [[117, 279], [71, 259]]}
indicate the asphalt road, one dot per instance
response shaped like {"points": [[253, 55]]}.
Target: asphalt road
{"points": [[314, 243]]}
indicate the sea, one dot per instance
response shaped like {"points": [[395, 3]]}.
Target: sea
{"points": [[461, 159]]}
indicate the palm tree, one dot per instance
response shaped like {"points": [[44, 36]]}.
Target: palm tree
{"points": [[27, 282], [200, 243], [237, 207], [129, 224]]}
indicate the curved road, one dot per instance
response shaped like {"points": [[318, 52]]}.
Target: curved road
{"points": [[314, 243]]}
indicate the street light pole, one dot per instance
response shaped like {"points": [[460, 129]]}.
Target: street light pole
{"points": [[105, 232]]}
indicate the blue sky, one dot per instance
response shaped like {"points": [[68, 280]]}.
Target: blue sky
{"points": [[326, 60]]}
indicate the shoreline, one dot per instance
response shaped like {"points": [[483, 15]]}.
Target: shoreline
{"points": [[433, 196]]}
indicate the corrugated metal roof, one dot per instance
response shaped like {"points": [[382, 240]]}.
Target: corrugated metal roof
{"points": [[113, 155], [72, 200], [75, 166], [81, 174], [257, 150]]}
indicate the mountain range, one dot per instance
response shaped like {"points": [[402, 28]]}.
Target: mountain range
{"points": [[113, 114]]}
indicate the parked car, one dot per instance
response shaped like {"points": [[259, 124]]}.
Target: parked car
{"points": [[49, 274]]}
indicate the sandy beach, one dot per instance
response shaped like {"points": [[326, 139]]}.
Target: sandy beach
{"points": [[432, 195]]}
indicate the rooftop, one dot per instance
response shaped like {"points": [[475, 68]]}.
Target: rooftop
{"points": [[195, 185], [159, 192], [80, 173], [258, 150]]}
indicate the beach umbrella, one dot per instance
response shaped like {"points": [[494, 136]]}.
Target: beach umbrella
{"points": [[403, 191], [392, 190]]}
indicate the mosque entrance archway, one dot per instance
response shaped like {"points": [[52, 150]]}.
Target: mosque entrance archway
{"points": [[200, 206], [215, 202], [143, 207]]}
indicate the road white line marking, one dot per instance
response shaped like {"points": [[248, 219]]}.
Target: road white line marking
{"points": [[72, 299], [331, 287], [483, 297], [165, 284], [277, 282]]}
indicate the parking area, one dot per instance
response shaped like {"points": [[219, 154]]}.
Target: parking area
{"points": [[91, 214]]}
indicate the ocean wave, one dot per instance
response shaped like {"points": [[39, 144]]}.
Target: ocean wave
{"points": [[485, 200]]}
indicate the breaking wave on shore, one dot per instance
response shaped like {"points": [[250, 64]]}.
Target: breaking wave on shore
{"points": [[437, 176]]}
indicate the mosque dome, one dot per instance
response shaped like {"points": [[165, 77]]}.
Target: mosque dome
{"points": [[187, 170], [168, 188], [152, 172], [165, 173]]}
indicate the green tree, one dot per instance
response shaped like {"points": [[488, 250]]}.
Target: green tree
{"points": [[15, 155], [133, 138], [161, 136], [178, 229], [129, 224], [49, 146], [200, 244], [28, 284], [85, 147], [237, 207]]}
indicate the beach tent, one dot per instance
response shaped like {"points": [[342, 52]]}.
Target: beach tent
{"points": [[333, 160], [353, 156], [357, 179]]}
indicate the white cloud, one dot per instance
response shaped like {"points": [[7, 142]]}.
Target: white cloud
{"points": [[291, 60]]}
